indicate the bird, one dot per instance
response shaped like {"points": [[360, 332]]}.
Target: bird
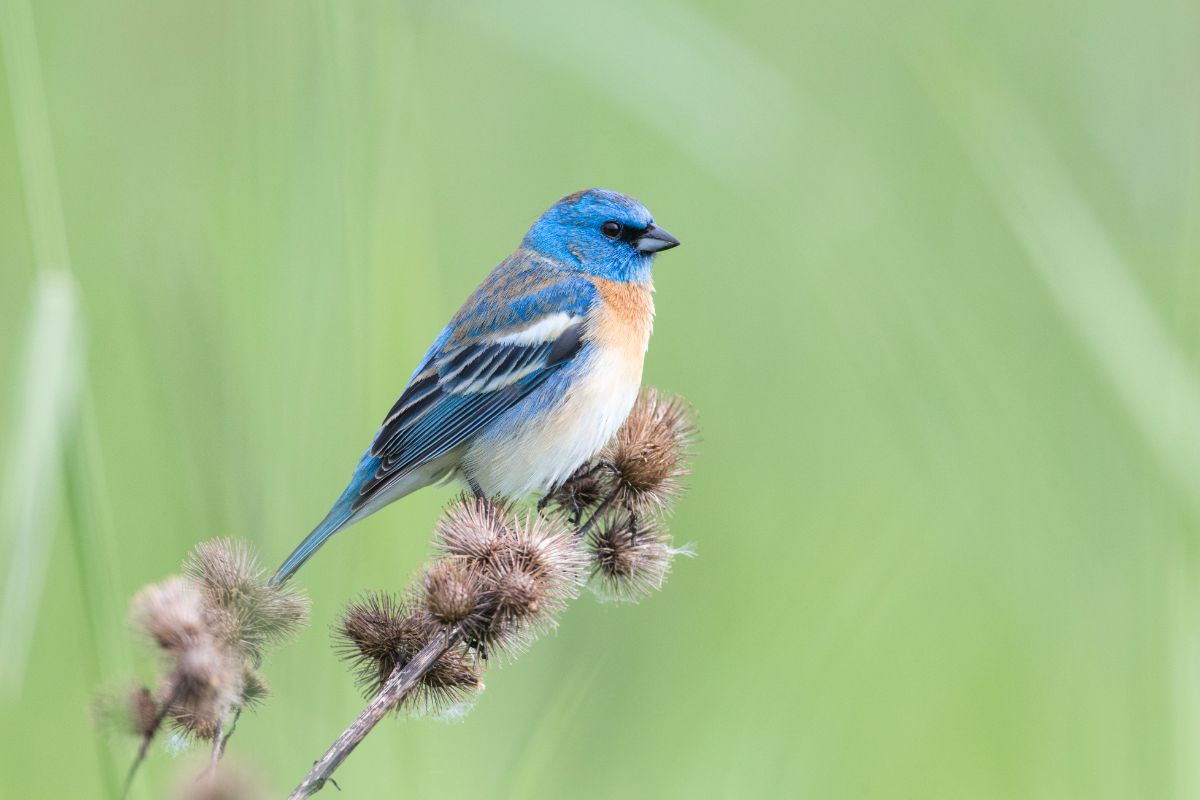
{"points": [[530, 378]]}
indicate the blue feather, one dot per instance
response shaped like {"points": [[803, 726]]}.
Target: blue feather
{"points": [[476, 380], [341, 515]]}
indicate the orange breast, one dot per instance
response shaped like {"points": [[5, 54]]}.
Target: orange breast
{"points": [[625, 318]]}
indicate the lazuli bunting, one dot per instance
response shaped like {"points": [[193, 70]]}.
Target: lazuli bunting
{"points": [[531, 377]]}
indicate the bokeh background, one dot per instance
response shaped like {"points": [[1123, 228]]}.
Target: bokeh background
{"points": [[937, 305]]}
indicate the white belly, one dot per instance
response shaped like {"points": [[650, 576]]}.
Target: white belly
{"points": [[535, 455]]}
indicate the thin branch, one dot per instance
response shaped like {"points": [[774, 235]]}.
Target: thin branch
{"points": [[398, 686], [219, 743], [144, 749]]}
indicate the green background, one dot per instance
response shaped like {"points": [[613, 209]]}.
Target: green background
{"points": [[937, 305]]}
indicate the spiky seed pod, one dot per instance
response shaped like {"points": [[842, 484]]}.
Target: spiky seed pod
{"points": [[454, 678], [454, 592], [244, 610], [548, 548], [254, 687], [204, 681], [528, 568], [516, 612], [375, 633], [649, 454], [517, 592], [500, 580], [142, 711], [126, 710], [630, 559], [472, 528], [204, 688], [172, 613], [380, 632], [534, 569]]}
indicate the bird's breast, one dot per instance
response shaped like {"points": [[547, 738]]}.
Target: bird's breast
{"points": [[623, 318], [581, 407]]}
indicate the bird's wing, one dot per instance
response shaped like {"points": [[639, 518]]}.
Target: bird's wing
{"points": [[470, 381]]}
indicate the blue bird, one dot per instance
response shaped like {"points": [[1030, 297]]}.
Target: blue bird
{"points": [[531, 377]]}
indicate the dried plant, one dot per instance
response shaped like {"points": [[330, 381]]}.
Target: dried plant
{"points": [[172, 613], [455, 592], [499, 580], [130, 709], [141, 710], [533, 572], [379, 633], [630, 558], [244, 610], [474, 529], [637, 479], [499, 577], [203, 689], [211, 627], [648, 458]]}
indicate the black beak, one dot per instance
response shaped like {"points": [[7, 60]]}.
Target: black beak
{"points": [[654, 239]]}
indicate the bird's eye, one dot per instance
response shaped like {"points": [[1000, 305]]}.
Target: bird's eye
{"points": [[612, 229]]}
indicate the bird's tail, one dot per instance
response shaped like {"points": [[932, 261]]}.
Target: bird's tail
{"points": [[351, 507], [338, 517]]}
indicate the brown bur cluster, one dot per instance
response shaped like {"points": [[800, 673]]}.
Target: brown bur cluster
{"points": [[501, 576], [629, 491], [210, 627]]}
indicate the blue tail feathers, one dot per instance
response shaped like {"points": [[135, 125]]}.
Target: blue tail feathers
{"points": [[341, 515], [337, 519]]}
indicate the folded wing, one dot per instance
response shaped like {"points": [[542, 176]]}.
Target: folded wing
{"points": [[464, 388]]}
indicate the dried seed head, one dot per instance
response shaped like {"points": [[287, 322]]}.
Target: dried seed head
{"points": [[527, 569], [225, 568], [548, 548], [211, 626], [453, 591], [472, 528], [142, 711], [649, 453], [172, 613], [204, 688], [516, 612], [630, 560], [205, 679], [254, 688], [379, 633], [454, 678], [517, 593], [243, 609], [128, 710], [534, 569]]}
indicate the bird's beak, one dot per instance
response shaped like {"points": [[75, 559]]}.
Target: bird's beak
{"points": [[655, 239]]}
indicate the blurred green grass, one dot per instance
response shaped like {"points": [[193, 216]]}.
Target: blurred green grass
{"points": [[937, 306]]}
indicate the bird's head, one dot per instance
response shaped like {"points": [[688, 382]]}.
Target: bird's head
{"points": [[601, 233]]}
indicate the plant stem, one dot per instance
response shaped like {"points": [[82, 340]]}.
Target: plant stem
{"points": [[218, 748], [144, 748], [398, 686]]}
